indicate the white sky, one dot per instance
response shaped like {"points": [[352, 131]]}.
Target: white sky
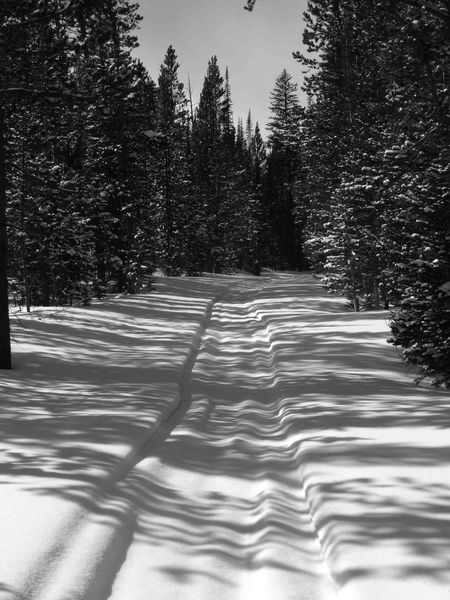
{"points": [[255, 46]]}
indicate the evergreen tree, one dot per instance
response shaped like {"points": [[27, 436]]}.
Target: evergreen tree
{"points": [[117, 81], [34, 46], [256, 168], [249, 130], [239, 214], [227, 112], [283, 173], [173, 173], [225, 221], [74, 181], [208, 170], [375, 140], [417, 183]]}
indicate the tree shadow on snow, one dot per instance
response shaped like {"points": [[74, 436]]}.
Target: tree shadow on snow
{"points": [[285, 378], [277, 399]]}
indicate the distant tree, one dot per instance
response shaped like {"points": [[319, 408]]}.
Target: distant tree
{"points": [[208, 168], [249, 130], [283, 173], [173, 124], [239, 215], [225, 219], [256, 169], [227, 112]]}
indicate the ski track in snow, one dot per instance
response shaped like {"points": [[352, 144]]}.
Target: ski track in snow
{"points": [[292, 459], [242, 546]]}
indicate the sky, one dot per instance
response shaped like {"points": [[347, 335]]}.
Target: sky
{"points": [[256, 46]]}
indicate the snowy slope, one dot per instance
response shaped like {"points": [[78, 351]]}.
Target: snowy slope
{"points": [[239, 438]]}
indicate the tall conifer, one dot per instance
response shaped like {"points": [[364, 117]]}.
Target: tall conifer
{"points": [[173, 125], [283, 172]]}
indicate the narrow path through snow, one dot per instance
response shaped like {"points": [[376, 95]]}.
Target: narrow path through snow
{"points": [[222, 512]]}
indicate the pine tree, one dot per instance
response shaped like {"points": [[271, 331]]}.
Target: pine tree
{"points": [[33, 73], [249, 130], [328, 124], [375, 139], [116, 148], [112, 158], [283, 173], [208, 169], [375, 164], [284, 123], [172, 176], [255, 172], [417, 178], [72, 102], [227, 112]]}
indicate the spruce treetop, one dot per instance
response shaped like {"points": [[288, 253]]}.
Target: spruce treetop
{"points": [[285, 108]]}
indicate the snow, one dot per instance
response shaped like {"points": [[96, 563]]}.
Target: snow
{"points": [[238, 438]]}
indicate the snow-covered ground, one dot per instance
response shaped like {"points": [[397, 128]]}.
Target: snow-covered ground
{"points": [[235, 438]]}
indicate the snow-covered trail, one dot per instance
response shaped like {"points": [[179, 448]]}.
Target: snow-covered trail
{"points": [[222, 512], [236, 438]]}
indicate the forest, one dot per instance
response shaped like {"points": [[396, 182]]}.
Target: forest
{"points": [[107, 172]]}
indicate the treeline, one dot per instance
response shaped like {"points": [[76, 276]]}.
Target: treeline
{"points": [[75, 109], [374, 147], [109, 174]]}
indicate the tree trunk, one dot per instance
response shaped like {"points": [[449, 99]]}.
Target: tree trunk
{"points": [[354, 293], [5, 338], [376, 295]]}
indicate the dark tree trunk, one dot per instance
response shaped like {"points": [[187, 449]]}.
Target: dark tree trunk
{"points": [[5, 338]]}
